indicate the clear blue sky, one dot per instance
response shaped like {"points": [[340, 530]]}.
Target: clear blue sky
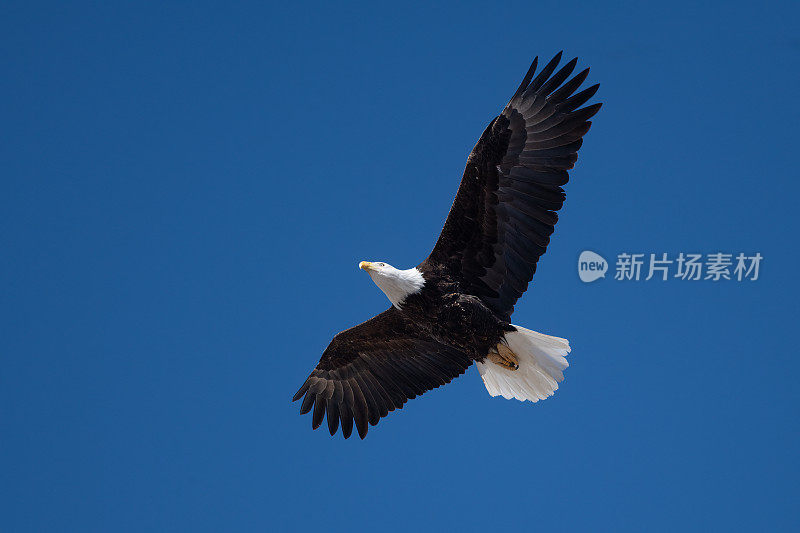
{"points": [[186, 191]]}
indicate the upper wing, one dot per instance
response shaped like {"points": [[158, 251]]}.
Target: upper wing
{"points": [[505, 209], [374, 368]]}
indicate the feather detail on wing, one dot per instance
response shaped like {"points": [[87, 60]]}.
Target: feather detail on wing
{"points": [[505, 208], [374, 368]]}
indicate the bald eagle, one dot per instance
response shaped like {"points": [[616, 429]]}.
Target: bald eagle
{"points": [[455, 307]]}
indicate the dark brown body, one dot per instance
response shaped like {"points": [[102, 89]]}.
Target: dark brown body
{"points": [[461, 321]]}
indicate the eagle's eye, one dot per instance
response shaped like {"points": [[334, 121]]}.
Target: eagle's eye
{"points": [[381, 264]]}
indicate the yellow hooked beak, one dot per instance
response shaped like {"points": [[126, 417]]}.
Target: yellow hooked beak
{"points": [[365, 265]]}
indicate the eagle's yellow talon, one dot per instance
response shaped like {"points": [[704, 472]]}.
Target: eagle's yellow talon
{"points": [[503, 356]]}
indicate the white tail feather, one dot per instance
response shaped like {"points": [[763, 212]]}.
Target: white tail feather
{"points": [[542, 360]]}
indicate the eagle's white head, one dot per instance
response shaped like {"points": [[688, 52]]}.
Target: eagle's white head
{"points": [[395, 284]]}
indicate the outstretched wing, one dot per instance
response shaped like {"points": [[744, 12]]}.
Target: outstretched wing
{"points": [[505, 209], [374, 368]]}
